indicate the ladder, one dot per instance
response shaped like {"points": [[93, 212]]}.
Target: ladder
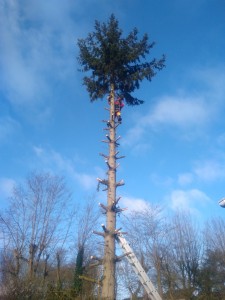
{"points": [[143, 277]]}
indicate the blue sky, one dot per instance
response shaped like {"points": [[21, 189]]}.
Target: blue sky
{"points": [[174, 143]]}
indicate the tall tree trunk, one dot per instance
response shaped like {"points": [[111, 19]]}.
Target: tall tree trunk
{"points": [[58, 273], [109, 282], [17, 264], [32, 250]]}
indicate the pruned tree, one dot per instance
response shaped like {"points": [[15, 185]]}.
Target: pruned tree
{"points": [[115, 64]]}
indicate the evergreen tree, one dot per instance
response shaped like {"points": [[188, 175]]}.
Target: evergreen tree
{"points": [[114, 65], [211, 275], [79, 271], [115, 60]]}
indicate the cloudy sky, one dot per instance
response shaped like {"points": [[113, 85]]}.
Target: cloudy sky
{"points": [[174, 143]]}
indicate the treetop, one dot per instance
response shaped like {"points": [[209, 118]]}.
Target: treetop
{"points": [[114, 60]]}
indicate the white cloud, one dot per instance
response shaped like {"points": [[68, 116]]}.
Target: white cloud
{"points": [[134, 204], [38, 150], [17, 73], [86, 180], [188, 200], [8, 127], [133, 135], [161, 181], [179, 111], [185, 179], [54, 161], [187, 110], [6, 187], [212, 80], [210, 170], [35, 40]]}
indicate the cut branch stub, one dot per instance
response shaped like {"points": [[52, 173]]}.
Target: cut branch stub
{"points": [[119, 258], [99, 233], [107, 162], [109, 124], [120, 183], [104, 207], [109, 138], [93, 257], [117, 200], [119, 137], [103, 141], [104, 155], [118, 209], [103, 181], [119, 157], [105, 229]]}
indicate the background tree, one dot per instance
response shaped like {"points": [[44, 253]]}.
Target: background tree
{"points": [[35, 225], [116, 64], [79, 271], [211, 276], [214, 234], [75, 260], [212, 272], [182, 259], [146, 234], [86, 245]]}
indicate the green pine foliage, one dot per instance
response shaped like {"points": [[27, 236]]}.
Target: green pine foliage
{"points": [[79, 271], [114, 60]]}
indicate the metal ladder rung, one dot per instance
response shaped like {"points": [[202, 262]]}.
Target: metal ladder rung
{"points": [[146, 282]]}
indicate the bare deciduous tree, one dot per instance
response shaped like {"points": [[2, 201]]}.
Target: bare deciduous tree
{"points": [[215, 235], [36, 223], [183, 256], [86, 244], [146, 232]]}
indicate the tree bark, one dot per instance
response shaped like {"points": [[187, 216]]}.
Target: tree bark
{"points": [[109, 282]]}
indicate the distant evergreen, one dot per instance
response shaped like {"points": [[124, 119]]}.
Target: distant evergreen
{"points": [[79, 271]]}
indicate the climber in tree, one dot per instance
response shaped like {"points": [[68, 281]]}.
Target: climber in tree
{"points": [[118, 106], [109, 98], [116, 61]]}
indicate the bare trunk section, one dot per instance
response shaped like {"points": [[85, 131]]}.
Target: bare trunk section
{"points": [[109, 282]]}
